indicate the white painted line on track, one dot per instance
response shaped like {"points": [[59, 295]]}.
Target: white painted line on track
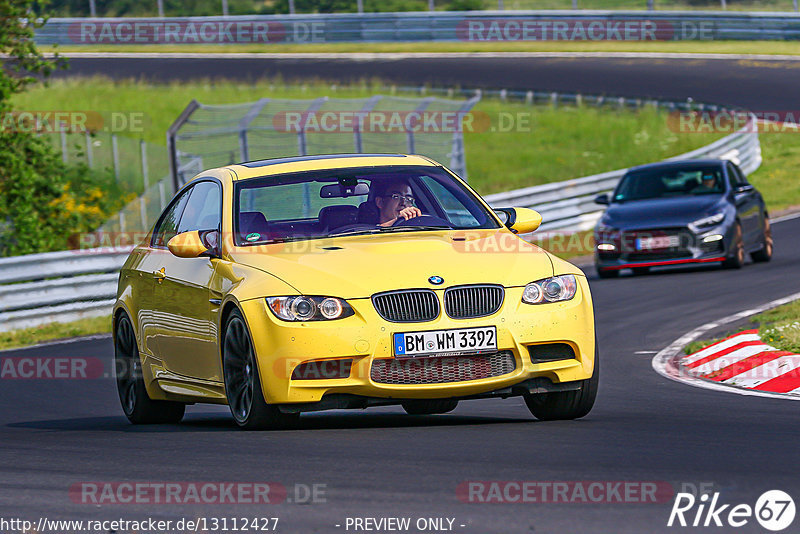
{"points": [[419, 55], [664, 362]]}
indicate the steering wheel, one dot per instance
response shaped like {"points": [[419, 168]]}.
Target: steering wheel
{"points": [[422, 220]]}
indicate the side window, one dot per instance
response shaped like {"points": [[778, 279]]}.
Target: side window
{"points": [[168, 225], [203, 210], [735, 177]]}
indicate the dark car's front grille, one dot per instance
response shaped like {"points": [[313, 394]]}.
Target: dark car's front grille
{"points": [[440, 370], [659, 256], [410, 306], [469, 302]]}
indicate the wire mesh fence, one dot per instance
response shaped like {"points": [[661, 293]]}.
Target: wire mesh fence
{"points": [[208, 136]]}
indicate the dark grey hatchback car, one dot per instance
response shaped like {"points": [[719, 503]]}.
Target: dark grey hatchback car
{"points": [[681, 212]]}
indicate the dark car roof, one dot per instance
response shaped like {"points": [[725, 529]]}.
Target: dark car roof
{"points": [[680, 163]]}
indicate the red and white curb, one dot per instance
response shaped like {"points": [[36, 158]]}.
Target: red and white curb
{"points": [[741, 363], [743, 360]]}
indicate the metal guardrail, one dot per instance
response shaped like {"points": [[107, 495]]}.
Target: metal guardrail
{"points": [[569, 206], [583, 25], [58, 286]]}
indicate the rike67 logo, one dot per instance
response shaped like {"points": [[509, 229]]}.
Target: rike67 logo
{"points": [[774, 510]]}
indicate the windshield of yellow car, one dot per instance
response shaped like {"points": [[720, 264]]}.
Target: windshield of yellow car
{"points": [[332, 203]]}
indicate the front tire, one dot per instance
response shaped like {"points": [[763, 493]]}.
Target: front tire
{"points": [[736, 260], [243, 382], [567, 404], [139, 408], [429, 407], [765, 254]]}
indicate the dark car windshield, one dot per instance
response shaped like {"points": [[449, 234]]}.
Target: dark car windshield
{"points": [[665, 182], [331, 203]]}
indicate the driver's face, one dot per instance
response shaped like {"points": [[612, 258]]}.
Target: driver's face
{"points": [[390, 207]]}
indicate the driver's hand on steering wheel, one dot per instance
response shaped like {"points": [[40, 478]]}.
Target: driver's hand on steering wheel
{"points": [[406, 213]]}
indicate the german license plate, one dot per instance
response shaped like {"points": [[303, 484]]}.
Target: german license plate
{"points": [[445, 342], [650, 243]]}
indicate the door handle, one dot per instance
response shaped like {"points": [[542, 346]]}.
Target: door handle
{"points": [[160, 274]]}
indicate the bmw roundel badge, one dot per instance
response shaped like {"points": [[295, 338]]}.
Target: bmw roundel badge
{"points": [[436, 280]]}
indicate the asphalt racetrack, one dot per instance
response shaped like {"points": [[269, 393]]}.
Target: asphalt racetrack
{"points": [[55, 434], [756, 84]]}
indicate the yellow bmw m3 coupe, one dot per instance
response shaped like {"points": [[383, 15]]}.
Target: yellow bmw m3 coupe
{"points": [[347, 281]]}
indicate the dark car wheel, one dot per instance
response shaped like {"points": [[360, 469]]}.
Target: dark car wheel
{"points": [[139, 408], [243, 383], [567, 404], [736, 259], [607, 273], [429, 407], [765, 254]]}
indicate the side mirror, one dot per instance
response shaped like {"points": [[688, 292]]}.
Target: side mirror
{"points": [[746, 188], [603, 199], [188, 245], [520, 220]]}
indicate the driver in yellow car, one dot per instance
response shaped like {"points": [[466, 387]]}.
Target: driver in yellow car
{"points": [[395, 200]]}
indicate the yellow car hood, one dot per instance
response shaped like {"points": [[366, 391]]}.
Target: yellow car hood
{"points": [[359, 266]]}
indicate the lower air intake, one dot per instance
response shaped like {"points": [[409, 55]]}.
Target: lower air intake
{"points": [[443, 369]]}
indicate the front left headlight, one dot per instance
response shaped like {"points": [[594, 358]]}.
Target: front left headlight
{"points": [[555, 289], [707, 222], [302, 308]]}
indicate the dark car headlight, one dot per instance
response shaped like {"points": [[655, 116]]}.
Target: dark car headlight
{"points": [[707, 222], [555, 289], [302, 308]]}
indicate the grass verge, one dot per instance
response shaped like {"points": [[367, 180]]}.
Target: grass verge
{"points": [[675, 47], [522, 146], [779, 327], [39, 334]]}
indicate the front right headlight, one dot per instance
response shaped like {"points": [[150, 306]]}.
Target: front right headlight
{"points": [[555, 289], [302, 308]]}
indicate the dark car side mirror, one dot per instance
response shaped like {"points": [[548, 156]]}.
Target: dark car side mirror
{"points": [[746, 188], [603, 199]]}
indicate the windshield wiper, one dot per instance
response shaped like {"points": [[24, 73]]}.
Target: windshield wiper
{"points": [[423, 227]]}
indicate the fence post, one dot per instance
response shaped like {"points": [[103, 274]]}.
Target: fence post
{"points": [[410, 143], [360, 6], [145, 176], [115, 156], [369, 105], [224, 8], [291, 7], [143, 213], [794, 3], [89, 154], [162, 197], [122, 221], [650, 5], [723, 4], [92, 9], [161, 8], [431, 7]]}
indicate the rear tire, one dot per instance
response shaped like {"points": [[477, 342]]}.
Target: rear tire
{"points": [[765, 254], [567, 404], [429, 407], [736, 260], [607, 273], [243, 381], [139, 408]]}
